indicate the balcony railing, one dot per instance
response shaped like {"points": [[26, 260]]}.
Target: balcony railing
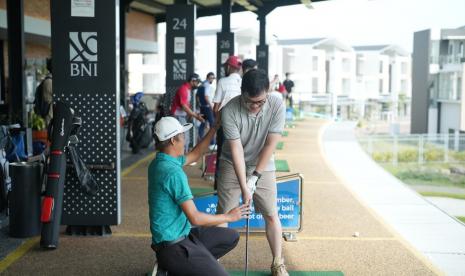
{"points": [[451, 59]]}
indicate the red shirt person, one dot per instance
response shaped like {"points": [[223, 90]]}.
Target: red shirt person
{"points": [[180, 107]]}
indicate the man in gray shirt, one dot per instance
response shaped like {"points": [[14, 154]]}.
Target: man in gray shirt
{"points": [[252, 125]]}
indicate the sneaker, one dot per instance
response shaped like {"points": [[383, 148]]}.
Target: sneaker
{"points": [[278, 268]]}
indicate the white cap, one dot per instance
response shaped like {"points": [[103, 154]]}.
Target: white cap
{"points": [[168, 127]]}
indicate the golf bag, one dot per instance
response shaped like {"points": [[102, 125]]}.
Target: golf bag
{"points": [[52, 204], [139, 130], [5, 181], [85, 177]]}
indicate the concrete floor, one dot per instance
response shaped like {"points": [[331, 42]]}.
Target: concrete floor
{"points": [[331, 215]]}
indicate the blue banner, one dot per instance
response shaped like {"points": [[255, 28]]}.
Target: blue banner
{"points": [[288, 203]]}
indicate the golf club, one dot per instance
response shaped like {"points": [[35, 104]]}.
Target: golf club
{"points": [[247, 244]]}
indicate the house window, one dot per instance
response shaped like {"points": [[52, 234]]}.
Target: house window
{"points": [[315, 63], [403, 86], [345, 65], [315, 85], [345, 86], [150, 82], [360, 66], [459, 88], [403, 68], [149, 59], [381, 86], [380, 66]]}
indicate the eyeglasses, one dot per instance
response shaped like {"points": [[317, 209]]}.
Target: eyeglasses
{"points": [[249, 102]]}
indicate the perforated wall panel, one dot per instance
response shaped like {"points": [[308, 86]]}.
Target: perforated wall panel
{"points": [[97, 146]]}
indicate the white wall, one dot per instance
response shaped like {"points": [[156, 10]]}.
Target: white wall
{"points": [[205, 55], [432, 120], [450, 117]]}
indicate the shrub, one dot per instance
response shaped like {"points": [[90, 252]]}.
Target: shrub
{"points": [[382, 157], [434, 155], [407, 156], [458, 155]]}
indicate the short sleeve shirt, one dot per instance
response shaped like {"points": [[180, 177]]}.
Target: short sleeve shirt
{"points": [[182, 97], [168, 188], [227, 88], [251, 129], [289, 85], [203, 92], [209, 92]]}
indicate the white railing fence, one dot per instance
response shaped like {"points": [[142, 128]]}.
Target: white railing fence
{"points": [[415, 148]]}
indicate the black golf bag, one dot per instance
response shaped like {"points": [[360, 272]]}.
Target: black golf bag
{"points": [[52, 204], [5, 180], [139, 130]]}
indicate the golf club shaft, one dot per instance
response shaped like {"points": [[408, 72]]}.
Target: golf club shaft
{"points": [[247, 246]]}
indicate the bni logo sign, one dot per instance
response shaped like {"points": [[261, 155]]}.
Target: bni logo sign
{"points": [[179, 69], [83, 54]]}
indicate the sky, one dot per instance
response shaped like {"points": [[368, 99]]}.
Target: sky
{"points": [[355, 22]]}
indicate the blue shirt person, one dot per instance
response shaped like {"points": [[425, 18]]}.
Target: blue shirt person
{"points": [[204, 97]]}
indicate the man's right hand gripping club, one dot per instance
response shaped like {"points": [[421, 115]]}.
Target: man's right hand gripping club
{"points": [[251, 187]]}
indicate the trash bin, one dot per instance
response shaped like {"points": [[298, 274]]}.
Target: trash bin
{"points": [[26, 186]]}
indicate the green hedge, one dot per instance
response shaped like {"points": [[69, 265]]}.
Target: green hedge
{"points": [[407, 156]]}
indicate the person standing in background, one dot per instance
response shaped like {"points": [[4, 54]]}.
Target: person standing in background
{"points": [[248, 64], [227, 88], [289, 84], [180, 107], [204, 97]]}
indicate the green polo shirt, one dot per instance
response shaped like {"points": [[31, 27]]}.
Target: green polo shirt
{"points": [[168, 189]]}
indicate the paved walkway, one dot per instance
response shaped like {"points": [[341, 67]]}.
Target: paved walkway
{"points": [[331, 216], [427, 228], [452, 206]]}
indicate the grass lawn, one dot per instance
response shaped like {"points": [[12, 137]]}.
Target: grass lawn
{"points": [[427, 174], [449, 195], [462, 219]]}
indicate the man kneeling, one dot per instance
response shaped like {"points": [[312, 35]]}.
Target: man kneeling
{"points": [[181, 249]]}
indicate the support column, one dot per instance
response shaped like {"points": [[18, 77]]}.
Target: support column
{"points": [[123, 58], [180, 29], [16, 78], [180, 21], [224, 39], [86, 76], [262, 47]]}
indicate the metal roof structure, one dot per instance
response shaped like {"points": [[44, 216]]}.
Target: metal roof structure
{"points": [[213, 7]]}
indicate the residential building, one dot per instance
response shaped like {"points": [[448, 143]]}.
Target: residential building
{"points": [[323, 70], [438, 79], [383, 85]]}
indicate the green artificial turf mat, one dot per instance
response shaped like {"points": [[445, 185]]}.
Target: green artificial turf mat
{"points": [[280, 145], [198, 191], [281, 166], [285, 133], [291, 273]]}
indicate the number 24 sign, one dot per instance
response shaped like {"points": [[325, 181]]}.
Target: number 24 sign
{"points": [[179, 23]]}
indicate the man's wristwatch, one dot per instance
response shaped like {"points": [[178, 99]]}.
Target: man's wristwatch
{"points": [[257, 174]]}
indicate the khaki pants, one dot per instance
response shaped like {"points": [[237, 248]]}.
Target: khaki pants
{"points": [[229, 191]]}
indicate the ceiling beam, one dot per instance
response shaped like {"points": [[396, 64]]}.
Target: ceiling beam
{"points": [[152, 4], [268, 6], [201, 12], [198, 3], [256, 3]]}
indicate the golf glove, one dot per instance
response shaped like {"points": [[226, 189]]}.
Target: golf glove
{"points": [[252, 183]]}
